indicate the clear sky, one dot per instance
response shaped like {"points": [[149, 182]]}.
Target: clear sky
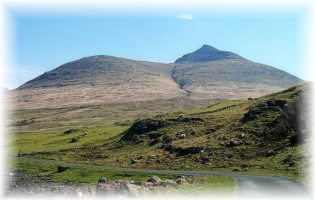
{"points": [[44, 40]]}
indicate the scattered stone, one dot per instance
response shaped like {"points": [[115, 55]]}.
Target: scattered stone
{"points": [[139, 183], [85, 133], [292, 163], [154, 179], [155, 141], [235, 142], [277, 102], [73, 140], [151, 157], [102, 180], [205, 159], [251, 114], [167, 139], [25, 185], [287, 160], [245, 165], [181, 180], [271, 153], [167, 183], [68, 131], [181, 136], [181, 116], [241, 136], [133, 161]]}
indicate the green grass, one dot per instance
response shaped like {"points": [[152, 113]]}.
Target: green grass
{"points": [[38, 142]]}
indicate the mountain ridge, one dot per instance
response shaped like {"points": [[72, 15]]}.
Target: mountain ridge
{"points": [[105, 79]]}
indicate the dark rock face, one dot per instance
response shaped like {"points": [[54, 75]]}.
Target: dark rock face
{"points": [[182, 151], [251, 114], [207, 53], [270, 105], [143, 126], [281, 119]]}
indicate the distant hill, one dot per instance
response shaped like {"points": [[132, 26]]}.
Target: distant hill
{"points": [[98, 80], [206, 73]]}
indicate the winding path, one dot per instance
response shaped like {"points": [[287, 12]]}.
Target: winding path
{"points": [[247, 185]]}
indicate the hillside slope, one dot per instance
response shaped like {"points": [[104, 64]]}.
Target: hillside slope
{"points": [[98, 80], [265, 135], [211, 73]]}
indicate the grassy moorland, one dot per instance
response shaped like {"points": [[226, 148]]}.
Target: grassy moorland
{"points": [[256, 136]]}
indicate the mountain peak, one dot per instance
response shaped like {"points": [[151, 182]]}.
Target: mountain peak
{"points": [[207, 53], [207, 47]]}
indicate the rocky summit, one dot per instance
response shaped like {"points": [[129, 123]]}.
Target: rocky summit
{"points": [[207, 53]]}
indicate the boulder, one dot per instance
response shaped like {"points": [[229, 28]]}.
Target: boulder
{"points": [[271, 153], [73, 140], [133, 161], [251, 114], [167, 139], [278, 102], [181, 180], [61, 169], [68, 131], [234, 142], [245, 165], [143, 126], [102, 180], [167, 183], [181, 136], [154, 179], [205, 159], [241, 136]]}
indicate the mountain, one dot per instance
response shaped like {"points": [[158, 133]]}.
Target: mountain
{"points": [[211, 73], [206, 73], [98, 80]]}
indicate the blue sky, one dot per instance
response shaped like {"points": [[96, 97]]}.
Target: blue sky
{"points": [[42, 41]]}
